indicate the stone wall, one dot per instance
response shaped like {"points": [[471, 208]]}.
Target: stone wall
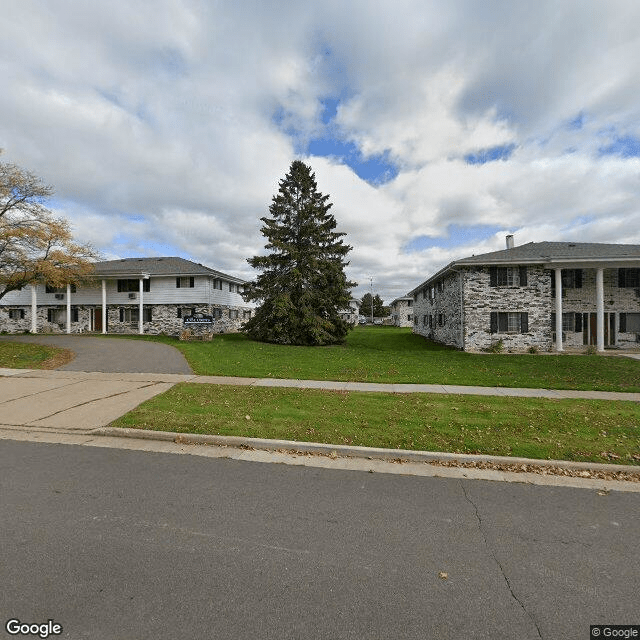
{"points": [[402, 313], [164, 319], [481, 299], [441, 303]]}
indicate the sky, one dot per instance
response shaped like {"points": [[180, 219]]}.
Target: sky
{"points": [[437, 127]]}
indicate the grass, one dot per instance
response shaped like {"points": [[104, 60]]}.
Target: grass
{"points": [[389, 354], [14, 355], [580, 430]]}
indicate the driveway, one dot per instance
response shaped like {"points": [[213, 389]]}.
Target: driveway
{"points": [[113, 355]]}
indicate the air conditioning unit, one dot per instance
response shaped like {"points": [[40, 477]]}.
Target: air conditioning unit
{"points": [[133, 296], [59, 296]]}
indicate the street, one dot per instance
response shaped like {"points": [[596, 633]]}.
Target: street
{"points": [[117, 544]]}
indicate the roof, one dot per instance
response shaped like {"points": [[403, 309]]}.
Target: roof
{"points": [[551, 255], [162, 266], [401, 299]]}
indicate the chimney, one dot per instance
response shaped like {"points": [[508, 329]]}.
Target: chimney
{"points": [[510, 244]]}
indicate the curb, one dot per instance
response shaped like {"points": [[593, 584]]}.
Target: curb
{"points": [[333, 450]]}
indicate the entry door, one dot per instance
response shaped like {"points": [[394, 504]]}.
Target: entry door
{"points": [[97, 319], [609, 329]]}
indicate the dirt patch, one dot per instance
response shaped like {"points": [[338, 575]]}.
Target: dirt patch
{"points": [[62, 357]]}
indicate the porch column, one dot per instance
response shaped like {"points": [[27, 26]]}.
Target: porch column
{"points": [[104, 306], [140, 329], [558, 276], [600, 308], [68, 308], [34, 310]]}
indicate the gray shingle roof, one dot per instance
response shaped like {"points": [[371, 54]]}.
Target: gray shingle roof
{"points": [[548, 253], [545, 251], [165, 266]]}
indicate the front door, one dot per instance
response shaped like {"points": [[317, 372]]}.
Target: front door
{"points": [[590, 330], [97, 319]]}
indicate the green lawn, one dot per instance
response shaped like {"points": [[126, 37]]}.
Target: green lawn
{"points": [[15, 355], [581, 430], [389, 354]]}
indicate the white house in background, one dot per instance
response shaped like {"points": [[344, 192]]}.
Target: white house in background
{"points": [[352, 313], [133, 295], [402, 311], [548, 295]]}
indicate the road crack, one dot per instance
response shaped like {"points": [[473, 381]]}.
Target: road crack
{"points": [[498, 563]]}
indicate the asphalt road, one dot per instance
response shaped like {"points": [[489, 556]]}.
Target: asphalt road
{"points": [[116, 544], [113, 355]]}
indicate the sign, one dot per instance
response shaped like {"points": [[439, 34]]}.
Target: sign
{"points": [[197, 320]]}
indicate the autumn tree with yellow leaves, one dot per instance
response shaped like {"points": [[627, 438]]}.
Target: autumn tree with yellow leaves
{"points": [[35, 246]]}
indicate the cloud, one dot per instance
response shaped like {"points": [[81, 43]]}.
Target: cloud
{"points": [[166, 125]]}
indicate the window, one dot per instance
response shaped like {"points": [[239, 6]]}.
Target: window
{"points": [[185, 282], [571, 279], [629, 278], [409, 303], [409, 316], [233, 288], [16, 314], [56, 316], [440, 319], [217, 284], [233, 314], [132, 314], [131, 285], [246, 314], [181, 312], [424, 321], [571, 322], [217, 314], [507, 276], [630, 323], [509, 322], [74, 314], [50, 289]]}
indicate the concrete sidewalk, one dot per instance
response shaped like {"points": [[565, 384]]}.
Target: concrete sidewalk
{"points": [[83, 401]]}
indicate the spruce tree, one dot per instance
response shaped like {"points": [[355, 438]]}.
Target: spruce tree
{"points": [[302, 286]]}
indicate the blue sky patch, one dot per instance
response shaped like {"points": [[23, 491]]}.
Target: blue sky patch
{"points": [[626, 146], [456, 236], [501, 152]]}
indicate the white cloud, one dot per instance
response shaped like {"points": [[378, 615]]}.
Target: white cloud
{"points": [[166, 111]]}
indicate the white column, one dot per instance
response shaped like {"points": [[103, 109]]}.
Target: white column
{"points": [[558, 276], [34, 310], [600, 308], [104, 306], [68, 308], [140, 329]]}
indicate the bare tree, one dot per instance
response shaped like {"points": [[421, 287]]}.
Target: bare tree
{"points": [[35, 246]]}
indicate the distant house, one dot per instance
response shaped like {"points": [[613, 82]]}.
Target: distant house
{"points": [[352, 313], [548, 295], [402, 311], [133, 295]]}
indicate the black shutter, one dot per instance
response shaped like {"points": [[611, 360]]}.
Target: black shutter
{"points": [[121, 314], [178, 312], [622, 281], [177, 283], [191, 282], [578, 328], [578, 278], [524, 322], [21, 314], [146, 285], [623, 323], [523, 276], [493, 279], [553, 321], [119, 286], [493, 323]]}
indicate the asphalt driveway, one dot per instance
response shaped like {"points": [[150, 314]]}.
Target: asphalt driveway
{"points": [[113, 355]]}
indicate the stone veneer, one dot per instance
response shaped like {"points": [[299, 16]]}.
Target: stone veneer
{"points": [[535, 298], [164, 319], [402, 313]]}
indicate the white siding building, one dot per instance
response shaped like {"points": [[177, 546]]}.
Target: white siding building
{"points": [[133, 295]]}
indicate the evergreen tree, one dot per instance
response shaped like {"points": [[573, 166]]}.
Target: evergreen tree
{"points": [[302, 286], [379, 310]]}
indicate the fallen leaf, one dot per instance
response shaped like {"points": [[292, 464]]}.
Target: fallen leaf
{"points": [[443, 575]]}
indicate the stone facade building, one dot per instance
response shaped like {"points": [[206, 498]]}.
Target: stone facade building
{"points": [[133, 295], [547, 295], [402, 311]]}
